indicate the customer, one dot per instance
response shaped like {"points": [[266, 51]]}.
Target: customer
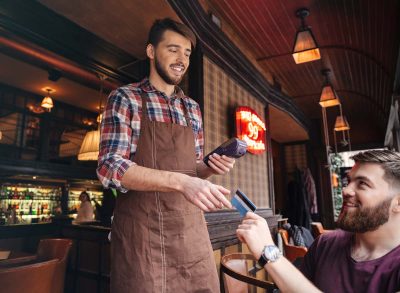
{"points": [[85, 211], [364, 254], [151, 150]]}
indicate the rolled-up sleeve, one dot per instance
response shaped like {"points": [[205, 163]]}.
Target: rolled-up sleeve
{"points": [[115, 140]]}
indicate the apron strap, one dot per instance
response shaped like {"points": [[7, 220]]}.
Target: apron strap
{"points": [[186, 113], [144, 108]]}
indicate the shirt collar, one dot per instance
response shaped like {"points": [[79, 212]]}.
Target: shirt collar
{"points": [[147, 87]]}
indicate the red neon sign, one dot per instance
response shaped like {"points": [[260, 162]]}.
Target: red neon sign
{"points": [[251, 129]]}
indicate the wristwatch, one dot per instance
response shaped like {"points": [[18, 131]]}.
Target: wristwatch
{"points": [[270, 253]]}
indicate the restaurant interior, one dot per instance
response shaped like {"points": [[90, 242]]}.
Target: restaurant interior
{"points": [[321, 76]]}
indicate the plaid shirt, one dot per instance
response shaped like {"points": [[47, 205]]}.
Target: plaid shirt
{"points": [[120, 127]]}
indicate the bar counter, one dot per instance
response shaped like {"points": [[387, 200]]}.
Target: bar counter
{"points": [[89, 261]]}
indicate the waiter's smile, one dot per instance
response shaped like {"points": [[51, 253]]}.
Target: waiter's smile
{"points": [[178, 69]]}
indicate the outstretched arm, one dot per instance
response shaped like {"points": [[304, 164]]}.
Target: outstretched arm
{"points": [[202, 193], [255, 233]]}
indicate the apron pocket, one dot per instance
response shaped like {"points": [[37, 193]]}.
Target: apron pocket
{"points": [[178, 237]]}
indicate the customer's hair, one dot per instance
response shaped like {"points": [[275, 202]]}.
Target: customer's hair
{"points": [[389, 160], [161, 25]]}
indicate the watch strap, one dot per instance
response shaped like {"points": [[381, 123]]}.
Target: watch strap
{"points": [[262, 261]]}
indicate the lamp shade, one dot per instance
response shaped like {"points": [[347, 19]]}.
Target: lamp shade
{"points": [[341, 123], [90, 146], [47, 103], [305, 47], [328, 98]]}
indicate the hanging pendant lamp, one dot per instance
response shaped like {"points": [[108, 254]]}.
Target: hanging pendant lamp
{"points": [[329, 97], [305, 48], [341, 124], [47, 102], [89, 150]]}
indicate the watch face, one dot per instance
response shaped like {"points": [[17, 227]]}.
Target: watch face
{"points": [[272, 252]]}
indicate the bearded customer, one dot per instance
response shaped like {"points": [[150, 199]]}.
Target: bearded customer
{"points": [[364, 254], [151, 150]]}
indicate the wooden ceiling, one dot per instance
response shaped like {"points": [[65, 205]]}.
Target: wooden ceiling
{"points": [[120, 22], [359, 43], [358, 40]]}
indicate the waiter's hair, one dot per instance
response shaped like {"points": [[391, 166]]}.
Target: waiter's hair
{"points": [[161, 25], [387, 159]]}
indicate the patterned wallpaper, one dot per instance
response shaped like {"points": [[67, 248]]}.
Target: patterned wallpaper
{"points": [[295, 157], [221, 95]]}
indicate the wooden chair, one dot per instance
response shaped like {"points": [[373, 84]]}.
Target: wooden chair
{"points": [[34, 278], [48, 249], [236, 276], [291, 252], [317, 229]]}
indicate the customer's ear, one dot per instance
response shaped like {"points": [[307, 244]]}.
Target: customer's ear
{"points": [[396, 207]]}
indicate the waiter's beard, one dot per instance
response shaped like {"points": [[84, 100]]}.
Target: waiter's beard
{"points": [[164, 74], [364, 219]]}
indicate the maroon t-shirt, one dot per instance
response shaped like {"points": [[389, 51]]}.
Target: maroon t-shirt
{"points": [[328, 264]]}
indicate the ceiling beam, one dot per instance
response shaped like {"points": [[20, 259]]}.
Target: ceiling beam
{"points": [[31, 21]]}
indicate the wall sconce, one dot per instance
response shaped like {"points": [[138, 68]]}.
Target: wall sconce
{"points": [[47, 102], [88, 121], [37, 109], [305, 48], [329, 97]]}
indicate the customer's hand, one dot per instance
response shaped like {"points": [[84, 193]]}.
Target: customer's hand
{"points": [[204, 194], [255, 233], [221, 164]]}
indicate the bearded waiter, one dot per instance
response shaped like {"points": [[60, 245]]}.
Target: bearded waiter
{"points": [[151, 151]]}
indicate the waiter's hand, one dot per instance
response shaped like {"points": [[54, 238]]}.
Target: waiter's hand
{"points": [[204, 194], [255, 233], [220, 164]]}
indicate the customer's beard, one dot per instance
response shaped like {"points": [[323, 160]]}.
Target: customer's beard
{"points": [[164, 75], [364, 219]]}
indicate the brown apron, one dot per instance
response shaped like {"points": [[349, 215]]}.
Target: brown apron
{"points": [[160, 241]]}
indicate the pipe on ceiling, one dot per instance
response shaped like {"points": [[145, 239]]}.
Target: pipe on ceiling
{"points": [[55, 61]]}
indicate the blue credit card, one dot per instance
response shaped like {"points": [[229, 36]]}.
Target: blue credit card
{"points": [[242, 203]]}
